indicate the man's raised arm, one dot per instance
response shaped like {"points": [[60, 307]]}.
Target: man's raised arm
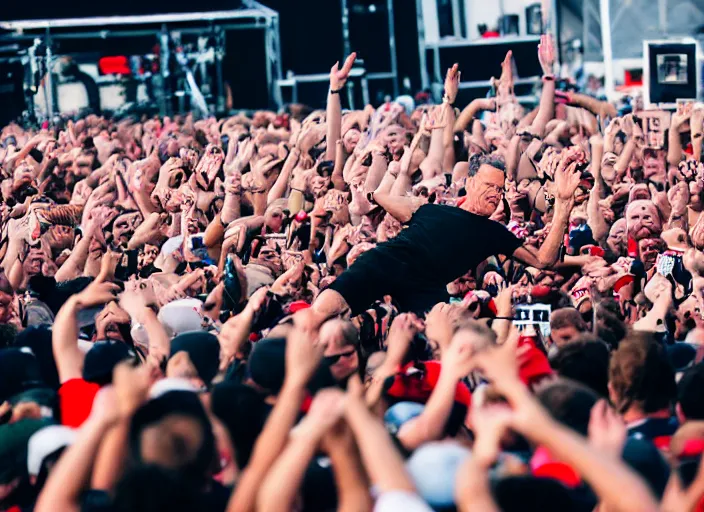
{"points": [[566, 181], [401, 208]]}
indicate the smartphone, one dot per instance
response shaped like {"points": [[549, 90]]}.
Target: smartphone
{"points": [[196, 242]]}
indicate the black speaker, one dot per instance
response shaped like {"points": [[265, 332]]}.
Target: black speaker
{"points": [[671, 71], [12, 102], [311, 34]]}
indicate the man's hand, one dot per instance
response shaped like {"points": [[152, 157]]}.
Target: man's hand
{"points": [[682, 115], [438, 324], [567, 179], [678, 196], [97, 294], [338, 77], [546, 54], [303, 355], [488, 104], [489, 424], [325, 411], [452, 83], [607, 431], [404, 327]]}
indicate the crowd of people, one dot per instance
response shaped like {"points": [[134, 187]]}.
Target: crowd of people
{"points": [[432, 307]]}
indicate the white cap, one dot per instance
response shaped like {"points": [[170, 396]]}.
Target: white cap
{"points": [[181, 315], [163, 386], [46, 441]]}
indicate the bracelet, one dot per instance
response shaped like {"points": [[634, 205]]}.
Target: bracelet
{"points": [[446, 99], [548, 78], [338, 91], [370, 197]]}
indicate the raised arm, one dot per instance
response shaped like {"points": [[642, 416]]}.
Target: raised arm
{"points": [[697, 131], [71, 475], [674, 144], [338, 79], [350, 478], [279, 489], [302, 358], [430, 425], [617, 486], [401, 208], [278, 190], [546, 110], [566, 182], [471, 111], [64, 335], [382, 461]]}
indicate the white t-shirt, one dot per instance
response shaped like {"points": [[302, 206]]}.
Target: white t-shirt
{"points": [[394, 501]]}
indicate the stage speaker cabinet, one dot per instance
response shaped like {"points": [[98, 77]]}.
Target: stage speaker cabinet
{"points": [[12, 102], [534, 19], [671, 72]]}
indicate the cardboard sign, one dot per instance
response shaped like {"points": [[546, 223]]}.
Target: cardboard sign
{"points": [[655, 123]]}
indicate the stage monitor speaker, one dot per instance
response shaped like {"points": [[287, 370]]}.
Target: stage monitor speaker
{"points": [[670, 71], [311, 34], [244, 69], [534, 20], [480, 61], [12, 103]]}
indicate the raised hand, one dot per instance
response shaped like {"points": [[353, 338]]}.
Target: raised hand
{"points": [[452, 83], [566, 180], [546, 53], [607, 431], [404, 327], [489, 424], [233, 183], [678, 196], [682, 115], [303, 354], [338, 77], [97, 294]]}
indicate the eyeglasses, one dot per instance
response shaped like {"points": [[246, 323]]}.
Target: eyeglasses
{"points": [[496, 188], [335, 358]]}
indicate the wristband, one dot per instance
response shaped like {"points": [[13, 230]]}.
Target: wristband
{"points": [[548, 78], [338, 91], [370, 197]]}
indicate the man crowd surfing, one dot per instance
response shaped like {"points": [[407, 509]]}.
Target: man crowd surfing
{"points": [[441, 307]]}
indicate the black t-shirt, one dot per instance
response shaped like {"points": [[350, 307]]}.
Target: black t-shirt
{"points": [[441, 243]]}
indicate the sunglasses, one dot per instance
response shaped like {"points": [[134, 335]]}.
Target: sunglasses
{"points": [[334, 359]]}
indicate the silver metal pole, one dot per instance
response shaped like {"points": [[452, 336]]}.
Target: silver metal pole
{"points": [[346, 47], [164, 71], [49, 95], [268, 56], [456, 22], [278, 71], [424, 80], [608, 49], [392, 44], [219, 55]]}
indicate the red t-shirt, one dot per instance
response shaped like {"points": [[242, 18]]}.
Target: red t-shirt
{"points": [[76, 400]]}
